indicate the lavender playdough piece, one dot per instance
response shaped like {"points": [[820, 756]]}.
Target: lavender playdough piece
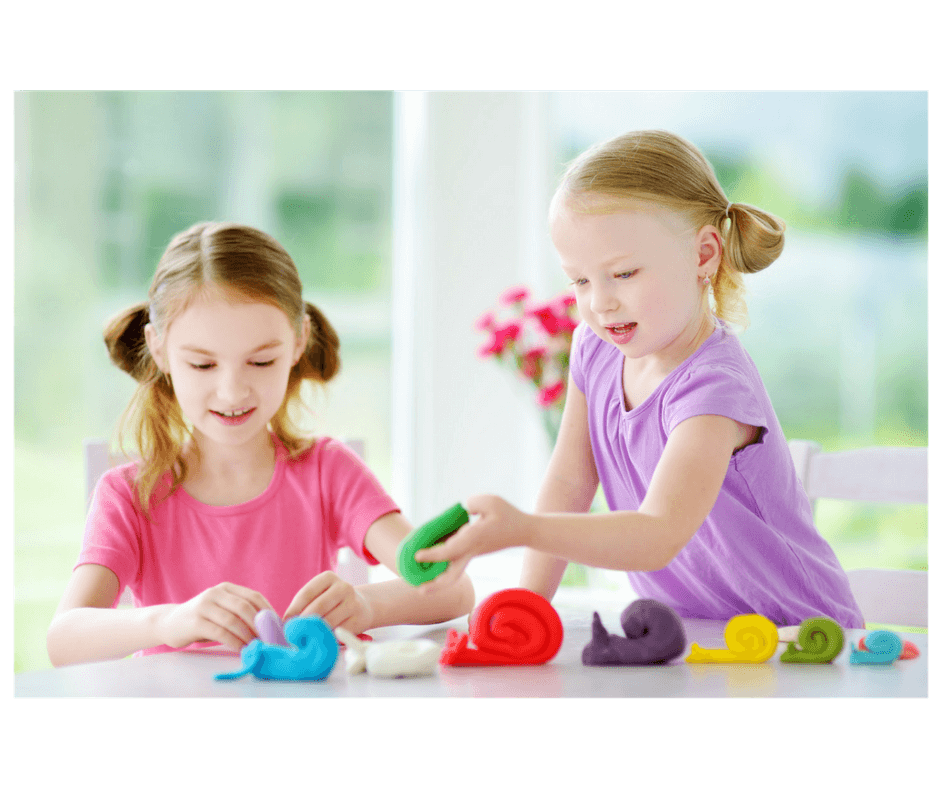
{"points": [[269, 627], [654, 635]]}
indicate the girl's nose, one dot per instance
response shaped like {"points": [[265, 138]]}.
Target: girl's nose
{"points": [[603, 300], [232, 388]]}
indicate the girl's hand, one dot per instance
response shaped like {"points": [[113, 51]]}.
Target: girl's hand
{"points": [[500, 525], [334, 600], [225, 613]]}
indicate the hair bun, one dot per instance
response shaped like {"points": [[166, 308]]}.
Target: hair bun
{"points": [[756, 238]]}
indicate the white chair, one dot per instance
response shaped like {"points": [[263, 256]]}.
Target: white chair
{"points": [[98, 459], [882, 474]]}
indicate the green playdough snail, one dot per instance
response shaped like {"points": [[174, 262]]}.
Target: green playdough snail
{"points": [[428, 535]]}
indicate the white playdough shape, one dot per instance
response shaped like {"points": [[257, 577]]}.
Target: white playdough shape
{"points": [[391, 659], [402, 658]]}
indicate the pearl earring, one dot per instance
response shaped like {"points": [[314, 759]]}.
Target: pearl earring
{"points": [[706, 281]]}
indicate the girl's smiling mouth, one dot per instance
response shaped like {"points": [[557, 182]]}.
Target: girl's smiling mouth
{"points": [[234, 417], [620, 333]]}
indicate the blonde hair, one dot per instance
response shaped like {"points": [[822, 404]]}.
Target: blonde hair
{"points": [[662, 168], [245, 263]]}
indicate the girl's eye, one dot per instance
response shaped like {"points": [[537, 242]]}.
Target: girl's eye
{"points": [[625, 275], [578, 282], [253, 363]]}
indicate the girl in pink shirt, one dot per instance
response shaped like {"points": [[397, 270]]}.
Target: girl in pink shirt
{"points": [[231, 509], [665, 409]]}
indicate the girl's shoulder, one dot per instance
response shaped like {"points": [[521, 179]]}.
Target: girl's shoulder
{"points": [[724, 352], [324, 454], [117, 487], [719, 378], [120, 476]]}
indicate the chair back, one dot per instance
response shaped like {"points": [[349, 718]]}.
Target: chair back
{"points": [[880, 474]]}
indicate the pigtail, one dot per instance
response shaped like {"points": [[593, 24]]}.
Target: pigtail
{"points": [[124, 338], [322, 353], [754, 238], [319, 363], [152, 420]]}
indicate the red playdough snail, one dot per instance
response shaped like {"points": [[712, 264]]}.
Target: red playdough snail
{"points": [[511, 627]]}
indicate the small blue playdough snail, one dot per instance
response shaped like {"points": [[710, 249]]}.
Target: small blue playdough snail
{"points": [[312, 660]]}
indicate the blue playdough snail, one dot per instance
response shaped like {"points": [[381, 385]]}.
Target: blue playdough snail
{"points": [[312, 659]]}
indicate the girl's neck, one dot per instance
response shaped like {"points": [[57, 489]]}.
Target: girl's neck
{"points": [[683, 346], [227, 475]]}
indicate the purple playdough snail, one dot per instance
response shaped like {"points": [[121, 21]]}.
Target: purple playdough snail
{"points": [[654, 635]]}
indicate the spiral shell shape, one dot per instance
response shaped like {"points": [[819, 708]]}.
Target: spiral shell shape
{"points": [[750, 638], [654, 635], [820, 640], [312, 659], [883, 648], [510, 627]]}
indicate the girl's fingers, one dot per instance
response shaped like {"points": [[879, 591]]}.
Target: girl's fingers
{"points": [[330, 598], [430, 555], [255, 598], [446, 578], [234, 611], [309, 593], [233, 622], [448, 550]]}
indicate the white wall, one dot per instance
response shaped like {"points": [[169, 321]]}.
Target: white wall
{"points": [[472, 185]]}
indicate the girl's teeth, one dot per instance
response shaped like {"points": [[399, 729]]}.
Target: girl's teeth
{"points": [[234, 413]]}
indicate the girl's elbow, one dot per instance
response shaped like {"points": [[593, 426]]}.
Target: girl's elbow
{"points": [[54, 647], [663, 562]]}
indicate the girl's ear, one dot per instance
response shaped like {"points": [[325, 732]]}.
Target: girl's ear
{"points": [[708, 245], [155, 347]]}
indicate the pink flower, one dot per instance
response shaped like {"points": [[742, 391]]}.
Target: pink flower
{"points": [[501, 338], [531, 363], [550, 394], [485, 321], [536, 342], [546, 317], [564, 302], [514, 295], [553, 322]]}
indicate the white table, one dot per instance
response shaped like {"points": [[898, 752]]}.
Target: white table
{"points": [[191, 675]]}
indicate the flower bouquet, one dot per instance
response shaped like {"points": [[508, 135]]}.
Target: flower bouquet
{"points": [[535, 340]]}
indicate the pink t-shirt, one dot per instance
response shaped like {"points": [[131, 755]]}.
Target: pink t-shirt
{"points": [[322, 500]]}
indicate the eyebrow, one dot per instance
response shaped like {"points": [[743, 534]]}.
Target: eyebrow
{"points": [[613, 262], [266, 346]]}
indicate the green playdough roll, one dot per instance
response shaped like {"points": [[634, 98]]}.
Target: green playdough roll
{"points": [[428, 535]]}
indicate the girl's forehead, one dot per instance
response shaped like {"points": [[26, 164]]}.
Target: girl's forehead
{"points": [[630, 225], [226, 317]]}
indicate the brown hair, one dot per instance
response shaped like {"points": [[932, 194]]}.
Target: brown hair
{"points": [[662, 168], [246, 263]]}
